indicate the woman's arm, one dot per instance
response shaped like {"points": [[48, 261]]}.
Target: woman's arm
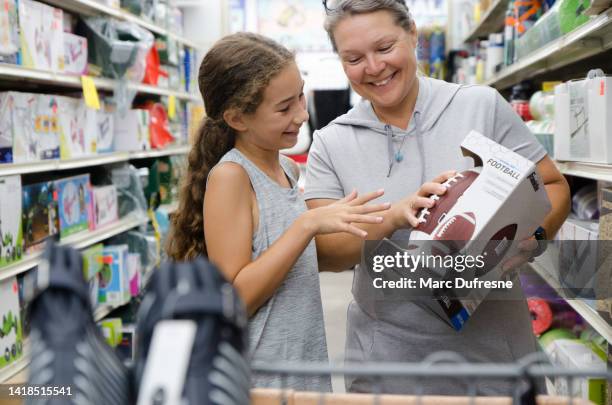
{"points": [[229, 227], [558, 193]]}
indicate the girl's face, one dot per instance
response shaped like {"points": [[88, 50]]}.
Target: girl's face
{"points": [[276, 122], [378, 57]]}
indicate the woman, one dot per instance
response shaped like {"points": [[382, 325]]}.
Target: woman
{"points": [[408, 129]]}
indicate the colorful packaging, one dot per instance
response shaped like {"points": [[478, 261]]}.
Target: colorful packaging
{"points": [[11, 234], [11, 336], [42, 36], [105, 205], [40, 219], [34, 122], [73, 204], [75, 54], [92, 264], [113, 278]]}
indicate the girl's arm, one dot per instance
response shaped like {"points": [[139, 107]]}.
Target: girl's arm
{"points": [[228, 229]]}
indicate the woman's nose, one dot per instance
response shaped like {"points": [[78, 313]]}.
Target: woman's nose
{"points": [[374, 66]]}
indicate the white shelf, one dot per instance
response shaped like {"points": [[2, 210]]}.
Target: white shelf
{"points": [[92, 8], [544, 266], [492, 21], [590, 39], [79, 241], [20, 73], [96, 160], [594, 171], [102, 311]]}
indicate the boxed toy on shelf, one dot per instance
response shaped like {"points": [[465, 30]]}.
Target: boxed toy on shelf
{"points": [[93, 260], [40, 216], [105, 206], [583, 119], [11, 334], [9, 32], [42, 36], [132, 130], [75, 54], [78, 128], [11, 234], [114, 282], [74, 204], [106, 128]]}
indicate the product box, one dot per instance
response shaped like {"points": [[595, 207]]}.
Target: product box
{"points": [[135, 271], [75, 54], [35, 127], [583, 120], [6, 127], [11, 234], [113, 278], [9, 32], [77, 128], [106, 128], [496, 202], [105, 205], [574, 355], [92, 264], [126, 349], [111, 330], [41, 35], [73, 197], [132, 131], [40, 219], [11, 335]]}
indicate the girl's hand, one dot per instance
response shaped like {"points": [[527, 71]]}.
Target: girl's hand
{"points": [[340, 216], [404, 212]]}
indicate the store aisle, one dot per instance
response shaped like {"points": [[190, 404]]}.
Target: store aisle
{"points": [[336, 293]]}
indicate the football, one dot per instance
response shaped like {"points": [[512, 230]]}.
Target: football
{"points": [[460, 227], [496, 248], [456, 230]]}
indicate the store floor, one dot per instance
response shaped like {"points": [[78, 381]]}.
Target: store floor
{"points": [[336, 294]]}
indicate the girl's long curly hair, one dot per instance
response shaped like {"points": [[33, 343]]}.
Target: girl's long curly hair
{"points": [[234, 74]]}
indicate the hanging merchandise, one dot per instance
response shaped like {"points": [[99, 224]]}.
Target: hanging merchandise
{"points": [[159, 128], [67, 347], [153, 70], [217, 344]]}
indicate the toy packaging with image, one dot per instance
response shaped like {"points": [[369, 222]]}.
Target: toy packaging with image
{"points": [[11, 334], [105, 205], [11, 234], [486, 208], [40, 218], [113, 277], [73, 195], [42, 41]]}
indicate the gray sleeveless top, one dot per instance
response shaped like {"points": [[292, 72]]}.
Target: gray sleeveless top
{"points": [[289, 327]]}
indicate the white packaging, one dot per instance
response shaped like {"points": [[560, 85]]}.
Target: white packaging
{"points": [[105, 203], [132, 131], [75, 54], [42, 36], [583, 120], [35, 127], [106, 131]]}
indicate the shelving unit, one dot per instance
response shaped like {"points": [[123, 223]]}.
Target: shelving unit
{"points": [[93, 8], [593, 171], [96, 160], [491, 21], [590, 39], [79, 241], [20, 73]]}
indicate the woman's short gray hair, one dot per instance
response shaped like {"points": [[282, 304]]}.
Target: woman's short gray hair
{"points": [[341, 9]]}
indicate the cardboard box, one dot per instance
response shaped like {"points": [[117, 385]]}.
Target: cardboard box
{"points": [[42, 36], [9, 32], [132, 131], [11, 338], [92, 264], [40, 219], [114, 282], [498, 197], [75, 54], [35, 127], [6, 127], [73, 196], [105, 205], [583, 120], [106, 129], [11, 234], [134, 271]]}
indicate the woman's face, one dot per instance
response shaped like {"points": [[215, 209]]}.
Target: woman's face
{"points": [[378, 57]]}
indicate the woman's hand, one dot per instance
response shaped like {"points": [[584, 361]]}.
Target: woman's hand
{"points": [[528, 249], [340, 216], [404, 212]]}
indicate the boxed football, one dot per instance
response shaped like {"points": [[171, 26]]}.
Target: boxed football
{"points": [[482, 214], [40, 219], [73, 198], [11, 236]]}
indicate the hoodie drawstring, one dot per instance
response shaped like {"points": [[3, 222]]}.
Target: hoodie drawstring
{"points": [[419, 136]]}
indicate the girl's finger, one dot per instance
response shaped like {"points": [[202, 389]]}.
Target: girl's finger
{"points": [[367, 209], [360, 233], [430, 188], [412, 219], [364, 219], [349, 197], [421, 202], [442, 177], [367, 197]]}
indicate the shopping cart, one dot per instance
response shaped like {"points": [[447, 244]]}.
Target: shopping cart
{"points": [[522, 374]]}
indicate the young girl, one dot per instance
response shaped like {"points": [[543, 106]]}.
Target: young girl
{"points": [[240, 204]]}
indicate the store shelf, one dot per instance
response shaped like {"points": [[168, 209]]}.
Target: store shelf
{"points": [[96, 160], [102, 311], [19, 74], [93, 8], [544, 267], [79, 241], [491, 22], [590, 39], [592, 171]]}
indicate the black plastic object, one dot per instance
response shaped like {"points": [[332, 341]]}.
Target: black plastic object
{"points": [[218, 372], [67, 348]]}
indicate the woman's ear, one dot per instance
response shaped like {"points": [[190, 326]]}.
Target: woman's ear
{"points": [[234, 119]]}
